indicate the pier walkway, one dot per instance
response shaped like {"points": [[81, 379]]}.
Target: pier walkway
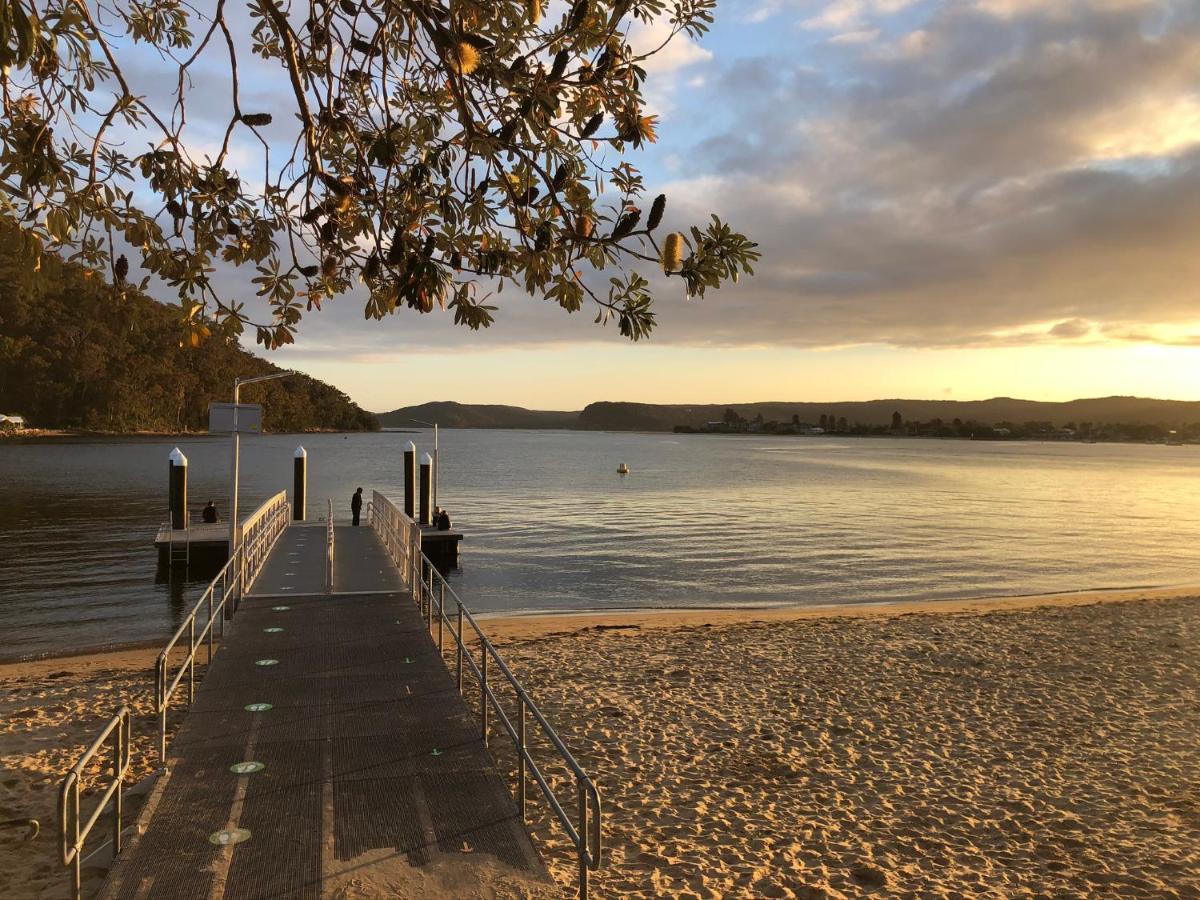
{"points": [[328, 752]]}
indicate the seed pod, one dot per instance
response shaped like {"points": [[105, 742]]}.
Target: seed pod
{"points": [[328, 231], [257, 119], [361, 46], [626, 224], [542, 238], [175, 209], [348, 8], [672, 252], [656, 212], [371, 269], [578, 13], [121, 268], [309, 271], [560, 178], [396, 252], [592, 124], [560, 64], [329, 266]]}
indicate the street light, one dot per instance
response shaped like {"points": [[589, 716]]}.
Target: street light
{"points": [[234, 531], [436, 467]]}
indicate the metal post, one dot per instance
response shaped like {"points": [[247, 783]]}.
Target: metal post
{"points": [[191, 659], [410, 479], [460, 647], [425, 510], [117, 760], [583, 842], [483, 689], [77, 875], [521, 756], [441, 613], [300, 484], [177, 467]]}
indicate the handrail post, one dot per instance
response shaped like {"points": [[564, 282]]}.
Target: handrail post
{"points": [[521, 757], [583, 840], [210, 627], [441, 615], [483, 689], [77, 874], [460, 647], [192, 658], [118, 773]]}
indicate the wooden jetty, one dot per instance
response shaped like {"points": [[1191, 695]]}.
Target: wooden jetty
{"points": [[328, 750]]}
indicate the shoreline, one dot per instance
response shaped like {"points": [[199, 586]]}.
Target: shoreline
{"points": [[512, 624]]}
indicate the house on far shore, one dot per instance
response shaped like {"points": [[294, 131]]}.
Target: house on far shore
{"points": [[11, 423]]}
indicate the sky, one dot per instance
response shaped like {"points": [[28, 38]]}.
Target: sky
{"points": [[954, 198]]}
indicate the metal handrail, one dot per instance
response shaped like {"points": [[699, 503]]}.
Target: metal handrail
{"points": [[402, 538], [243, 567], [329, 550], [71, 846]]}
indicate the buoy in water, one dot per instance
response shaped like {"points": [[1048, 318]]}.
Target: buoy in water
{"points": [[622, 469]]}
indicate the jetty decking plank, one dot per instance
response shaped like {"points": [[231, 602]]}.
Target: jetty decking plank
{"points": [[369, 755]]}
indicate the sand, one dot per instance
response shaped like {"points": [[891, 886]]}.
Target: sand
{"points": [[1020, 747]]}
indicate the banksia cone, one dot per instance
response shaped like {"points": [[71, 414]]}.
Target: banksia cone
{"points": [[592, 124], [309, 271], [329, 266], [121, 269], [328, 232], [626, 224], [371, 269], [465, 59], [578, 13], [656, 212], [535, 11], [672, 252], [257, 119], [584, 227], [560, 64]]}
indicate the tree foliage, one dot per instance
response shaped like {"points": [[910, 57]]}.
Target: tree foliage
{"points": [[77, 352], [433, 152]]}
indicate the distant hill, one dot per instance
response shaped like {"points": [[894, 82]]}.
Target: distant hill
{"points": [[448, 414], [616, 416], [76, 352]]}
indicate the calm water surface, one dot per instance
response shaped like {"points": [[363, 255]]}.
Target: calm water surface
{"points": [[702, 521]]}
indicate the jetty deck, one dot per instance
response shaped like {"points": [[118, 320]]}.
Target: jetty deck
{"points": [[328, 753]]}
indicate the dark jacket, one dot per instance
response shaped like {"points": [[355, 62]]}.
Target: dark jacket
{"points": [[356, 502]]}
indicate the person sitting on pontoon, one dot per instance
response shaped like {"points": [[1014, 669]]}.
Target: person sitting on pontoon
{"points": [[209, 516]]}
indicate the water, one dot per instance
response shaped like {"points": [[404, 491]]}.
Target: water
{"points": [[703, 520]]}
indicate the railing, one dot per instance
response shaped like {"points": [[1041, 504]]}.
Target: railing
{"points": [[329, 550], [71, 835], [402, 538], [237, 576]]}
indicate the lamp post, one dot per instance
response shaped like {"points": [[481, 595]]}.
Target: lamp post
{"points": [[436, 467], [234, 531]]}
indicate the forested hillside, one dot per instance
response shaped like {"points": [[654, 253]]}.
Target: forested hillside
{"points": [[75, 352]]}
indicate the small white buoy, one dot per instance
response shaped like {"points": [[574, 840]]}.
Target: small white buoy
{"points": [[622, 469]]}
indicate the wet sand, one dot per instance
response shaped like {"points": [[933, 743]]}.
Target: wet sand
{"points": [[1013, 747]]}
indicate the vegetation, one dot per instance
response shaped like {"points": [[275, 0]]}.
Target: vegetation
{"points": [[734, 423], [75, 352], [434, 152]]}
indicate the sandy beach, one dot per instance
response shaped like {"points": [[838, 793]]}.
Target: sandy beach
{"points": [[1018, 747]]}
